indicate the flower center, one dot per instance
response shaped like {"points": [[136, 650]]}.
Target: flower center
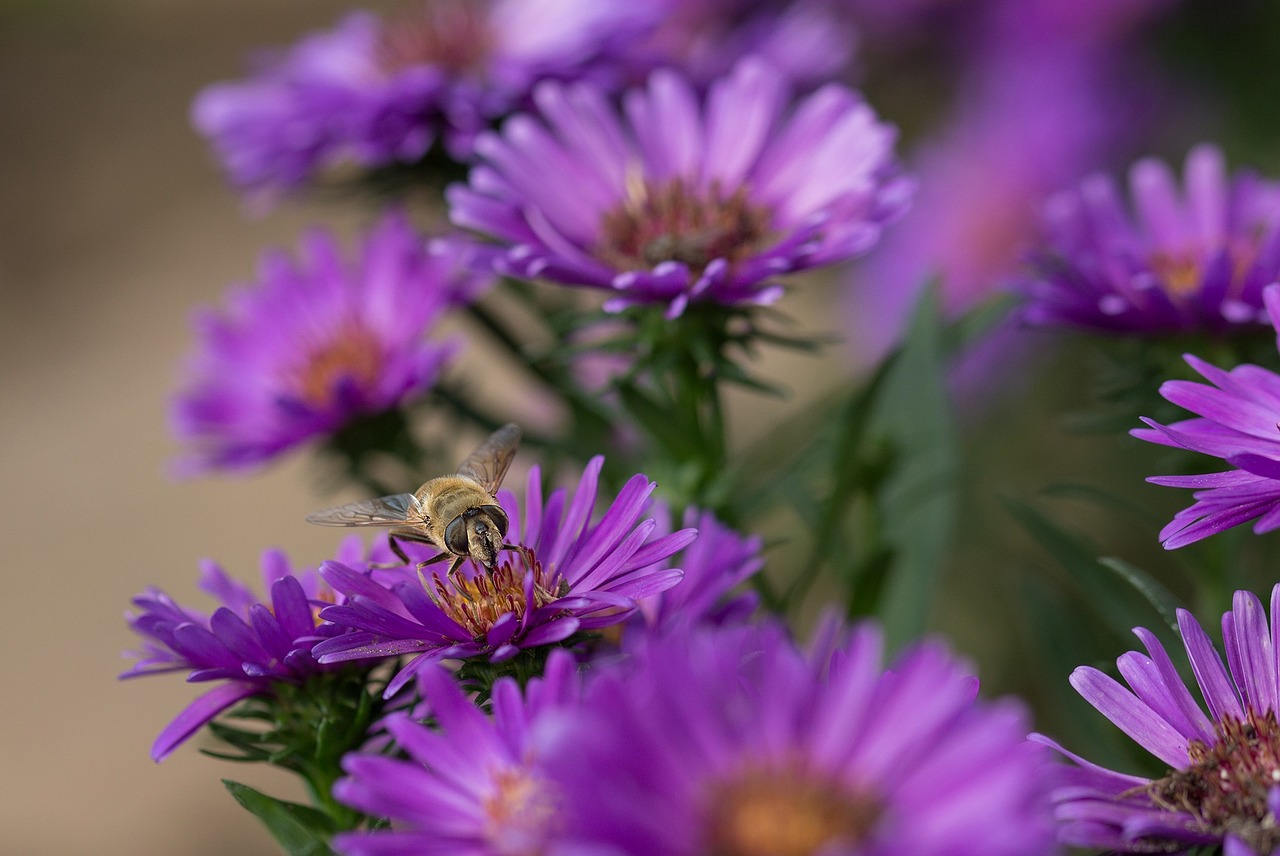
{"points": [[1182, 273], [1227, 784], [673, 222], [353, 353], [478, 602], [787, 813], [1178, 272], [520, 812], [453, 35]]}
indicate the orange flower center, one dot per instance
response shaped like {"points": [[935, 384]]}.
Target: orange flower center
{"points": [[353, 353], [788, 812], [478, 602], [1182, 273], [673, 222], [1227, 783]]}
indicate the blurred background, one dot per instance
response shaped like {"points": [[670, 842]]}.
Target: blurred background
{"points": [[115, 224]]}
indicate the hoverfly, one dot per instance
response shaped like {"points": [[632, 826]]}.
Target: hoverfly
{"points": [[458, 514]]}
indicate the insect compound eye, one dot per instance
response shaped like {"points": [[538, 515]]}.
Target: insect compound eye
{"points": [[455, 536], [498, 516]]}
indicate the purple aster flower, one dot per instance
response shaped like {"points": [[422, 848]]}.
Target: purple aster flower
{"points": [[1223, 784], [248, 646], [374, 92], [315, 344], [569, 574], [682, 198], [472, 786], [734, 741], [1238, 412], [1195, 260]]}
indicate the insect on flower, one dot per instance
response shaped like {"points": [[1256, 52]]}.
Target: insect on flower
{"points": [[457, 513]]}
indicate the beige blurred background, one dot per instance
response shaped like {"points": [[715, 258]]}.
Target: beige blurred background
{"points": [[114, 225]]}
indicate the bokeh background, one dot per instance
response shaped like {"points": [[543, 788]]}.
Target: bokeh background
{"points": [[115, 224]]}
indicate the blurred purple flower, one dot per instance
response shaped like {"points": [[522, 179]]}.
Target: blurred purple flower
{"points": [[682, 200], [1191, 261], [1029, 118], [808, 41], [1222, 786], [568, 575], [248, 646], [472, 785], [374, 92], [1238, 419], [315, 344], [733, 741]]}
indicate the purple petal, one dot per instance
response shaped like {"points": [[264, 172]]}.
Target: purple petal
{"points": [[1131, 716], [197, 714]]}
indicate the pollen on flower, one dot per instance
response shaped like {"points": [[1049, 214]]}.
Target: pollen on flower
{"points": [[788, 812], [674, 222], [1227, 783], [476, 603], [353, 353], [450, 34]]}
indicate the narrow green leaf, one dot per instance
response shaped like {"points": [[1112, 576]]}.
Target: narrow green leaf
{"points": [[1101, 498], [1110, 593], [1152, 591], [299, 829], [918, 501]]}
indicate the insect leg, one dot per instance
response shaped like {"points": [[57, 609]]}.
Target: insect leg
{"points": [[395, 536], [439, 557]]}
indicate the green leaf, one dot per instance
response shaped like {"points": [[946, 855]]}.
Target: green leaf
{"points": [[1151, 590], [1121, 596], [299, 829], [1101, 498], [918, 500], [1056, 647]]}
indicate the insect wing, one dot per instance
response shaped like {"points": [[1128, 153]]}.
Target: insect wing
{"points": [[490, 462], [383, 511]]}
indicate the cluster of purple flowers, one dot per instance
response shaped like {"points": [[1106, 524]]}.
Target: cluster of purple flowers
{"points": [[608, 687], [715, 740]]}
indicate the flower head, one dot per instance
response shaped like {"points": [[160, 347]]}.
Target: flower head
{"points": [[1238, 412], [733, 741], [472, 785], [374, 92], [1223, 783], [569, 574], [247, 645], [315, 344], [682, 198], [1191, 261]]}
